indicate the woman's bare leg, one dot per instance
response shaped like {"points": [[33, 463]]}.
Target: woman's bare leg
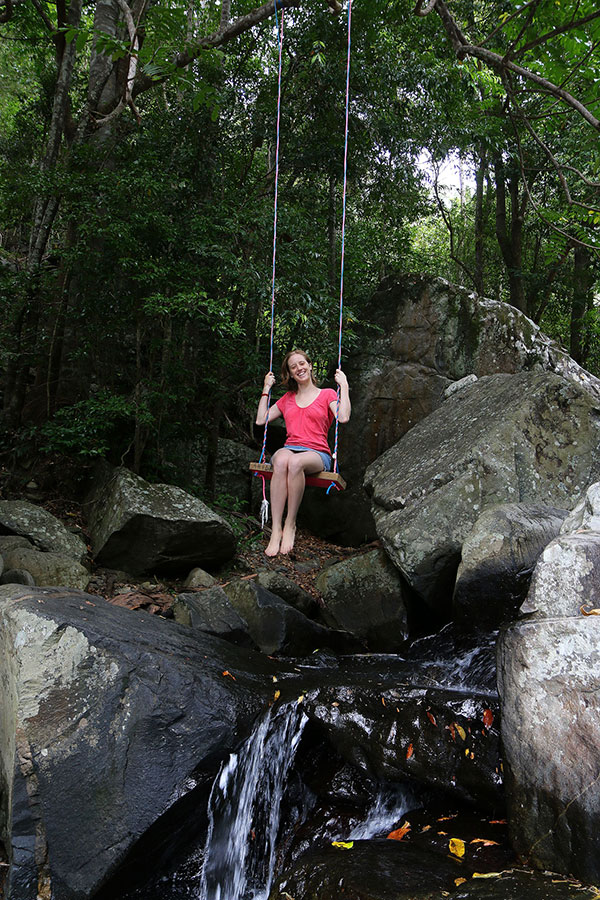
{"points": [[278, 493], [306, 463]]}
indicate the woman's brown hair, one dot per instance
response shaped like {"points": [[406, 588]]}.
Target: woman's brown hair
{"points": [[290, 383]]}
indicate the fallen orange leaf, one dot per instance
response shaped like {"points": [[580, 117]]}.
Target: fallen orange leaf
{"points": [[227, 672], [589, 612], [431, 718], [399, 833], [498, 822], [488, 718], [409, 751], [459, 881], [485, 842]]}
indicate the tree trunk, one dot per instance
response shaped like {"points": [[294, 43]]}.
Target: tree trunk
{"points": [[510, 239], [583, 282], [478, 275]]}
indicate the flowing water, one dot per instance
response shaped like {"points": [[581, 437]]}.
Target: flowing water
{"points": [[244, 809]]}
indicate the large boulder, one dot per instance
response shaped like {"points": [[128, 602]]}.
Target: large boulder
{"points": [[45, 531], [548, 681], [506, 438], [497, 560], [275, 626], [109, 719], [47, 569], [144, 528], [423, 335], [364, 595], [246, 613]]}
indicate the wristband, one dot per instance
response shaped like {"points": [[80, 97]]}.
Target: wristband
{"points": [[264, 395]]}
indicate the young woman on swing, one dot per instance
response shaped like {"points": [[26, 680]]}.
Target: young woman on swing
{"points": [[308, 412]]}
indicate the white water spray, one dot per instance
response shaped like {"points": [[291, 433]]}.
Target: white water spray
{"points": [[244, 809]]}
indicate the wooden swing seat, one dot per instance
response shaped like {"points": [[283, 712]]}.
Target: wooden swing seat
{"points": [[322, 479]]}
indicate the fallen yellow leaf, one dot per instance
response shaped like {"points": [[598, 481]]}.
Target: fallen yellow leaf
{"points": [[277, 695], [487, 874], [461, 731], [457, 847], [589, 612], [343, 845], [459, 881]]}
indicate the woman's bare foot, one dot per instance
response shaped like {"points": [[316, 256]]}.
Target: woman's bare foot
{"points": [[287, 541], [272, 548]]}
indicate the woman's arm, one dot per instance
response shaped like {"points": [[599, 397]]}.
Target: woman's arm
{"points": [[345, 406], [261, 412]]}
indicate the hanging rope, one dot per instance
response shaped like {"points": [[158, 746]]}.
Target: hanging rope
{"points": [[344, 191], [264, 507]]}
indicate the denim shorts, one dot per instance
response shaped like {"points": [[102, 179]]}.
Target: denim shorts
{"points": [[324, 456]]}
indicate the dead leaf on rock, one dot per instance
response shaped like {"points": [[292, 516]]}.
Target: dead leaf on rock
{"points": [[457, 847], [399, 833], [488, 718], [409, 751], [431, 717], [589, 612], [485, 842], [228, 674]]}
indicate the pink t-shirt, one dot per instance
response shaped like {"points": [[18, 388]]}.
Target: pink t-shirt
{"points": [[308, 427]]}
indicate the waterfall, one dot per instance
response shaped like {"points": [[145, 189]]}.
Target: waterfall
{"points": [[244, 809]]}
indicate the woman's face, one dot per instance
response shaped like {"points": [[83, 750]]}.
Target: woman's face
{"points": [[299, 368]]}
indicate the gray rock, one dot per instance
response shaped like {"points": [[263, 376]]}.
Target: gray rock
{"points": [[211, 611], [142, 527], [289, 591], [498, 558], [107, 718], [198, 578], [10, 541], [17, 576], [1, 564], [48, 569], [586, 514], [274, 625], [566, 577], [549, 685], [531, 438], [41, 528], [429, 334], [364, 596], [456, 386]]}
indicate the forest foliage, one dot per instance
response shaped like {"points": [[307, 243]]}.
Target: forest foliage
{"points": [[137, 145]]}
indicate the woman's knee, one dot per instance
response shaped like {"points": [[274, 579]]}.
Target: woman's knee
{"points": [[281, 460]]}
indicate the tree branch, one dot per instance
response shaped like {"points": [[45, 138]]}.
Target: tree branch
{"points": [[218, 39], [556, 31], [500, 64]]}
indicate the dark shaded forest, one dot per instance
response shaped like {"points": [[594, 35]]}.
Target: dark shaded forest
{"points": [[137, 146]]}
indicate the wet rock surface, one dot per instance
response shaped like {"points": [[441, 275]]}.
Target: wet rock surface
{"points": [[109, 720]]}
